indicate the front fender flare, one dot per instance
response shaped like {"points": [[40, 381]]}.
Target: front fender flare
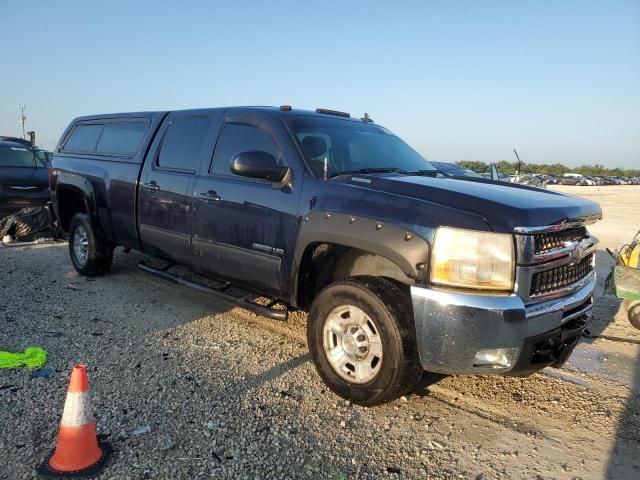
{"points": [[406, 249]]}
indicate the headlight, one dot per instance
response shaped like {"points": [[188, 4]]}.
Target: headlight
{"points": [[470, 259]]}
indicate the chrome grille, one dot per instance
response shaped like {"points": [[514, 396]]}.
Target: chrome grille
{"points": [[553, 262], [546, 242], [558, 278]]}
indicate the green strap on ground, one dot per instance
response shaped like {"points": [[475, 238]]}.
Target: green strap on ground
{"points": [[32, 357]]}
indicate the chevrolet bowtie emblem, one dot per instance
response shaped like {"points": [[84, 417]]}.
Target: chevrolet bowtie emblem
{"points": [[576, 255]]}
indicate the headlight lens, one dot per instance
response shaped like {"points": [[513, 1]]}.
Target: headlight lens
{"points": [[470, 259]]}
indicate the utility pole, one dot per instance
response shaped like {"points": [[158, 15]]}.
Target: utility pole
{"points": [[22, 119]]}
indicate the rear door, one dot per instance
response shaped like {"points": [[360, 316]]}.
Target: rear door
{"points": [[165, 199], [245, 229]]}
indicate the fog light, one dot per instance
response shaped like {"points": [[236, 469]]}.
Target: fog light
{"points": [[495, 358]]}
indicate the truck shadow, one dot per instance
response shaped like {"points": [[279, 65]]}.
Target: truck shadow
{"points": [[253, 381], [428, 379], [268, 395], [605, 306], [624, 459], [268, 402]]}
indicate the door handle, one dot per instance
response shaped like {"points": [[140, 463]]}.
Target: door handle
{"points": [[209, 197], [151, 186]]}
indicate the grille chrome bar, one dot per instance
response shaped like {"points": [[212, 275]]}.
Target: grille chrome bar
{"points": [[564, 302], [544, 275], [559, 278], [559, 226], [527, 255], [546, 242], [584, 247]]}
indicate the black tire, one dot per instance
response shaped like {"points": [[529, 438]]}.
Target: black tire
{"points": [[633, 312], [99, 253], [391, 311]]}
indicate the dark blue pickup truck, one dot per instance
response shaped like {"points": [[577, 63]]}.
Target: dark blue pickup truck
{"points": [[401, 268]]}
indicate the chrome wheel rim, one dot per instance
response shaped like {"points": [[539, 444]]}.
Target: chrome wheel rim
{"points": [[80, 245], [352, 344]]}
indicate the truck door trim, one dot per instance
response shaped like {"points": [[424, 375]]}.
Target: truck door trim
{"points": [[262, 265], [152, 233]]}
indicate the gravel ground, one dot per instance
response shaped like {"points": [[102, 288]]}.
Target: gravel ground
{"points": [[228, 394]]}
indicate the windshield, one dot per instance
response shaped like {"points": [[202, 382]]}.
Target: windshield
{"points": [[348, 147], [15, 156]]}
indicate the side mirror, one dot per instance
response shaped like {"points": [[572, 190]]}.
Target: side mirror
{"points": [[257, 164]]}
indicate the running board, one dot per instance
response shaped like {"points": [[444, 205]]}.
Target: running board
{"points": [[219, 294]]}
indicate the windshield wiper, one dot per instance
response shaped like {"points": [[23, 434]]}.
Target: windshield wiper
{"points": [[364, 171], [426, 173]]}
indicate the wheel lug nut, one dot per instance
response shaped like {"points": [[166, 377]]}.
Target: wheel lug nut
{"points": [[354, 330], [361, 338], [362, 349]]}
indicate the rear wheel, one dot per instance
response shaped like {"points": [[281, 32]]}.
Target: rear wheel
{"points": [[90, 254], [362, 339]]}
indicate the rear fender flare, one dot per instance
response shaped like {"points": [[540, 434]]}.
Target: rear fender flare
{"points": [[82, 186]]}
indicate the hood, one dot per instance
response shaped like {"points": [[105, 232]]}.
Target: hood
{"points": [[504, 206]]}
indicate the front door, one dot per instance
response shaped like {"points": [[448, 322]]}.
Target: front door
{"points": [[165, 200], [244, 228]]}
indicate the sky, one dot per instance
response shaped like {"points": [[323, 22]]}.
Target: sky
{"points": [[458, 80]]}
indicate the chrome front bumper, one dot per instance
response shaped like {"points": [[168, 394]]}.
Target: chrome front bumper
{"points": [[452, 327]]}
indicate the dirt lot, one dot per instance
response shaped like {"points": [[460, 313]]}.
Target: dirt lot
{"points": [[228, 394]]}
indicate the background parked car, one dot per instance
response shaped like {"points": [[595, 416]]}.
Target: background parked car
{"points": [[592, 181], [24, 180], [532, 180], [571, 179]]}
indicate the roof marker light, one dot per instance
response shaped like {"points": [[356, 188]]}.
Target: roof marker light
{"points": [[367, 118], [332, 112]]}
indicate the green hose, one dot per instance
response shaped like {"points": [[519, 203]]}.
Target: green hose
{"points": [[32, 357]]}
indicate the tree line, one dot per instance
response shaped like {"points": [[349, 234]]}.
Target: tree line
{"points": [[552, 169]]}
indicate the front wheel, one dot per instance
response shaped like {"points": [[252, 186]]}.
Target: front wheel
{"points": [[362, 339], [90, 254]]}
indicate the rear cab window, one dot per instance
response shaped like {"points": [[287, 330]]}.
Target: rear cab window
{"points": [[84, 138], [120, 138]]}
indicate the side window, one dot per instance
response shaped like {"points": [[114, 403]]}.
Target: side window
{"points": [[84, 138], [41, 158], [183, 143], [241, 137], [121, 137]]}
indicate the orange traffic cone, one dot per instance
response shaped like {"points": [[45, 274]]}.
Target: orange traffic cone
{"points": [[77, 453]]}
